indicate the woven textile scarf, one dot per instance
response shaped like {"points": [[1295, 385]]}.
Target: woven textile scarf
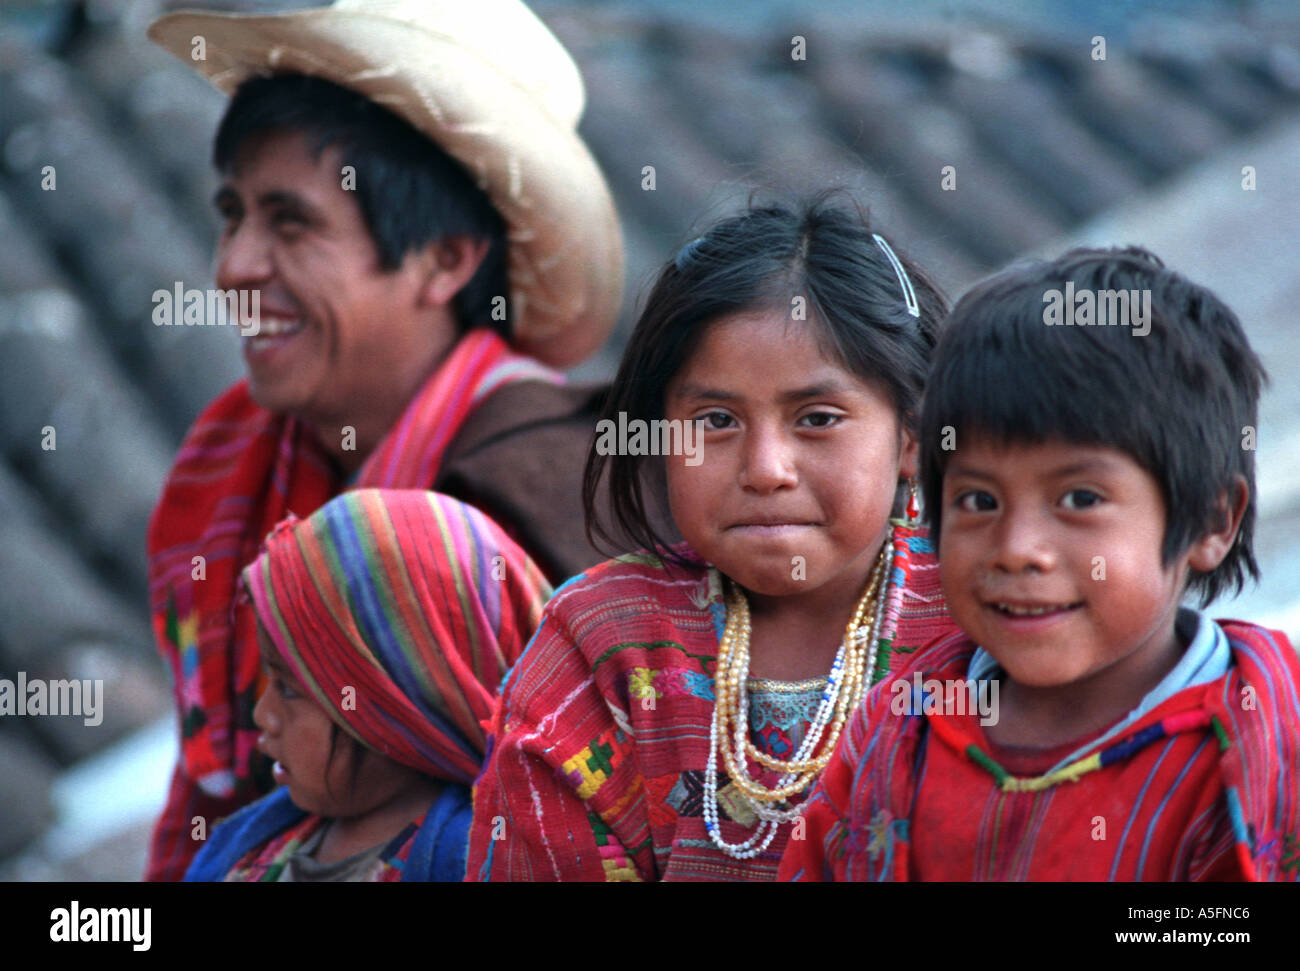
{"points": [[400, 612], [239, 472]]}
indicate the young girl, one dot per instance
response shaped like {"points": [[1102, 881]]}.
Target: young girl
{"points": [[676, 703], [386, 621]]}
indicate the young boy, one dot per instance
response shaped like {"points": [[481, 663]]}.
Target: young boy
{"points": [[1087, 460]]}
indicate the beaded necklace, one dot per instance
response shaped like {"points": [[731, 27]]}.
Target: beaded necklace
{"points": [[729, 728]]}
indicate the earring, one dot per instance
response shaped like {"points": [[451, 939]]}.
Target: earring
{"points": [[912, 511]]}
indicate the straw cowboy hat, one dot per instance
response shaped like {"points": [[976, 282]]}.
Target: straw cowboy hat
{"points": [[490, 84]]}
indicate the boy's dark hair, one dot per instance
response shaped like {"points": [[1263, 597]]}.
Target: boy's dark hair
{"points": [[1177, 399], [761, 259], [410, 191]]}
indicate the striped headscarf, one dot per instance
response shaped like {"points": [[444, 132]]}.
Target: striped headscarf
{"points": [[400, 612]]}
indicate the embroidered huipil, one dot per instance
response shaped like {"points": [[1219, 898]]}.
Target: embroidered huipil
{"points": [[596, 768]]}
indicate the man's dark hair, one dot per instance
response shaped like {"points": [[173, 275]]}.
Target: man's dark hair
{"points": [[761, 259], [410, 191], [1178, 399]]}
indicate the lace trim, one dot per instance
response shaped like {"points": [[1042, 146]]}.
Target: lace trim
{"points": [[789, 709], [784, 687]]}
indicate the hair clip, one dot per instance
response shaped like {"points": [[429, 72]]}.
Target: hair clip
{"points": [[909, 295], [685, 252]]}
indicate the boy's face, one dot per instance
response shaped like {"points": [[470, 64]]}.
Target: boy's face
{"points": [[1050, 560]]}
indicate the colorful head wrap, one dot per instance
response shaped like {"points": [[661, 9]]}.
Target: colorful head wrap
{"points": [[400, 612]]}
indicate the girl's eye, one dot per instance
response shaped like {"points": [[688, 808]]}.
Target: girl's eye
{"points": [[821, 419], [975, 501], [1080, 499], [286, 692], [716, 420]]}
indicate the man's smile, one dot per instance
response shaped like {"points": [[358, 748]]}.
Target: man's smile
{"points": [[273, 331]]}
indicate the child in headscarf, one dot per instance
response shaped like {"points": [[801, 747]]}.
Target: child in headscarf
{"points": [[386, 622]]}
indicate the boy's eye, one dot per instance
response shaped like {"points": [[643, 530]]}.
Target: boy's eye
{"points": [[1080, 499], [821, 419], [975, 501]]}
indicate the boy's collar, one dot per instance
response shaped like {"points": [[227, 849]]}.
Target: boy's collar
{"points": [[1207, 657]]}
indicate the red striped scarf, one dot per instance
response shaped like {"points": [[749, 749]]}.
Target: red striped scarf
{"points": [[241, 470], [411, 604]]}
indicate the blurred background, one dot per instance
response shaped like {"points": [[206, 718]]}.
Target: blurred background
{"points": [[1051, 146]]}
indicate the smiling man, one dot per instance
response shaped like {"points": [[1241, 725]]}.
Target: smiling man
{"points": [[403, 187]]}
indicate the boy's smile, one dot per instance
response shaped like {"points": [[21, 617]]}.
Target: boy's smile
{"points": [[1050, 557]]}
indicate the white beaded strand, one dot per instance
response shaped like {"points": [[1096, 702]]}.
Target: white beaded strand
{"points": [[851, 650]]}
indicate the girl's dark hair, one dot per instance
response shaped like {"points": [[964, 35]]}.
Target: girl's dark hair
{"points": [[1179, 398], [410, 191], [764, 258]]}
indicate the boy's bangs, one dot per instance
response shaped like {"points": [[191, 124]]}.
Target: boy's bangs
{"points": [[1030, 383]]}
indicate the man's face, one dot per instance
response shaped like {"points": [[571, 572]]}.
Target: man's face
{"points": [[335, 329]]}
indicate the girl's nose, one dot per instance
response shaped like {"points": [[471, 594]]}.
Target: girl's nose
{"points": [[768, 461]]}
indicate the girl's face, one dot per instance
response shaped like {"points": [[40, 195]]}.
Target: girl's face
{"points": [[295, 732], [798, 458]]}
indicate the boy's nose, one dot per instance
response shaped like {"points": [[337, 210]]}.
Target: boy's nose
{"points": [[768, 462], [1023, 543]]}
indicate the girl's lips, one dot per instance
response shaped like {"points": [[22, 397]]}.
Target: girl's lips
{"points": [[770, 529]]}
